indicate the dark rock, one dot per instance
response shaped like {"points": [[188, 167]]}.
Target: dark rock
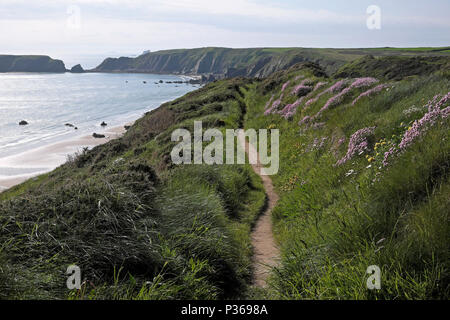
{"points": [[160, 81], [144, 82], [98, 136], [77, 69], [69, 125], [103, 124], [23, 123], [127, 127]]}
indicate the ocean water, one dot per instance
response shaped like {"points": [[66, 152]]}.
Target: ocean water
{"points": [[49, 101]]}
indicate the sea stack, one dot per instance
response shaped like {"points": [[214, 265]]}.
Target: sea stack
{"points": [[77, 69]]}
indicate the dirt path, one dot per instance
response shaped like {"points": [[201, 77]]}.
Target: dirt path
{"points": [[266, 253]]}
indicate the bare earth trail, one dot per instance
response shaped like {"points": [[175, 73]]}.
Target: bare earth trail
{"points": [[266, 253]]}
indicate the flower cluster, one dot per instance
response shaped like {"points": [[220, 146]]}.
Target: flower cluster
{"points": [[310, 102], [275, 106], [358, 144], [419, 127], [413, 109], [363, 82], [370, 92], [301, 90], [319, 85], [285, 85], [333, 101], [290, 109], [338, 86], [317, 144], [305, 120]]}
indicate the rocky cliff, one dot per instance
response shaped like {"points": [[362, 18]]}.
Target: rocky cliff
{"points": [[254, 62], [221, 62], [10, 63]]}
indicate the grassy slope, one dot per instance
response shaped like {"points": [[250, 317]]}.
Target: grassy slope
{"points": [[183, 232], [137, 226], [334, 221]]}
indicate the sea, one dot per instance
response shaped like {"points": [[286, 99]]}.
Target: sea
{"points": [[49, 101]]}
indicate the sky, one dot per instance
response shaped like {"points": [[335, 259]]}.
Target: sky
{"points": [[93, 29]]}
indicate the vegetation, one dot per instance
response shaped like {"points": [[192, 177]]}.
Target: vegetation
{"points": [[252, 62], [138, 227], [363, 180], [335, 218]]}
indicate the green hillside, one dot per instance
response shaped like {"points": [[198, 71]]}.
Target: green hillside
{"points": [[363, 180], [253, 62]]}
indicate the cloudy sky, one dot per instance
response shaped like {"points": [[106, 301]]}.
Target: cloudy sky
{"points": [[70, 28]]}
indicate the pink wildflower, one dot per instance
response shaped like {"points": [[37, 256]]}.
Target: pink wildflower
{"points": [[358, 144], [370, 92]]}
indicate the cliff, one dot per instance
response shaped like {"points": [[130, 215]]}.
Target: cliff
{"points": [[254, 62], [11, 63], [222, 62]]}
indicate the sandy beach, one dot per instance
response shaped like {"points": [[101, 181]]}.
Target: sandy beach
{"points": [[47, 158]]}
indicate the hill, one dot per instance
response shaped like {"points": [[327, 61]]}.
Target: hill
{"points": [[363, 180], [254, 62], [11, 63]]}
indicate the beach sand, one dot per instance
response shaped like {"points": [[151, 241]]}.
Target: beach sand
{"points": [[47, 158]]}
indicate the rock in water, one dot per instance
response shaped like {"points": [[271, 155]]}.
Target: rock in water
{"points": [[98, 136], [103, 124], [77, 69], [69, 125], [23, 123]]}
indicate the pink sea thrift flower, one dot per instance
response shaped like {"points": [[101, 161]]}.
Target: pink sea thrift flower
{"points": [[285, 85], [419, 127], [358, 144], [301, 90], [305, 120], [370, 92], [290, 109], [363, 82]]}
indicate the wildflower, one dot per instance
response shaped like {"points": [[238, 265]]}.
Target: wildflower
{"points": [[350, 172], [363, 82], [285, 85], [419, 127], [370, 92], [357, 144]]}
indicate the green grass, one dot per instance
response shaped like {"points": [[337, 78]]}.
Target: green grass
{"points": [[138, 226], [141, 227], [334, 221]]}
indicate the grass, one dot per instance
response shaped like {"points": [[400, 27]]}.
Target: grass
{"points": [[138, 226], [141, 227], [332, 222]]}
